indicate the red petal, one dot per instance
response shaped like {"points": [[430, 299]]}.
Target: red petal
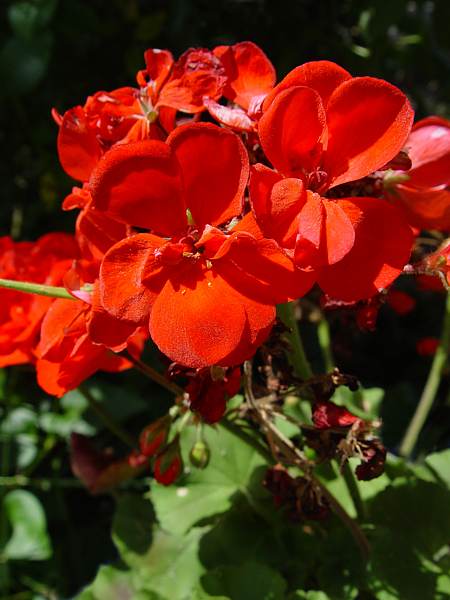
{"points": [[139, 184], [159, 64], [97, 233], [198, 320], [105, 329], [250, 73], [214, 164], [276, 203], [78, 147], [382, 247], [328, 415], [121, 289], [325, 233], [196, 74], [236, 118], [259, 270], [429, 150], [293, 131], [64, 322], [426, 208], [368, 124], [322, 76]]}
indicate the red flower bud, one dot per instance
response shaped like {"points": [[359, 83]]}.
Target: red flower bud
{"points": [[169, 464], [154, 436]]}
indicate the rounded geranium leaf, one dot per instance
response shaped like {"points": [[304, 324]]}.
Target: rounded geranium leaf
{"points": [[78, 147], [322, 76], [122, 292], [369, 121], [383, 241], [215, 168], [139, 184], [293, 131]]}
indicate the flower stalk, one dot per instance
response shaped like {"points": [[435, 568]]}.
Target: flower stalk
{"points": [[430, 390]]}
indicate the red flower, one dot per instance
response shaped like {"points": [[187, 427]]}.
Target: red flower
{"points": [[425, 194], [208, 292], [427, 346], [250, 77], [44, 261], [401, 302], [322, 128]]}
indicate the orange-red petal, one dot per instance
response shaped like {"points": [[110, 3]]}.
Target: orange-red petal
{"points": [[293, 131], [369, 121], [382, 247], [214, 165], [121, 290], [140, 184], [78, 147]]}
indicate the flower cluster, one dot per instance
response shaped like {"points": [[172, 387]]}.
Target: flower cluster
{"points": [[208, 194]]}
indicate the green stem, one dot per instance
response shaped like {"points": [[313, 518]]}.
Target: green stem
{"points": [[323, 333], [430, 390], [107, 419], [36, 288], [298, 357], [353, 489]]}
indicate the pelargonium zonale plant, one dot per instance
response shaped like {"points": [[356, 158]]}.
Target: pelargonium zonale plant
{"points": [[218, 211]]}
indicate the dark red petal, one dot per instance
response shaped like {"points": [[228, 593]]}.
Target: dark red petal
{"points": [[328, 415], [233, 117], [122, 292], [382, 247], [369, 121], [249, 72], [276, 204], [139, 184], [215, 168], [78, 147], [322, 76], [293, 131]]}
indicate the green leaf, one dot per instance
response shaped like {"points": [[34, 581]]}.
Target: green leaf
{"points": [[204, 493], [309, 595], [19, 420], [250, 581], [171, 567], [115, 583], [132, 526], [412, 528], [29, 539]]}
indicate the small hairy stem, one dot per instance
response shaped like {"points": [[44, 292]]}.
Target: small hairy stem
{"points": [[152, 374], [299, 360], [36, 288], [107, 419], [430, 390]]}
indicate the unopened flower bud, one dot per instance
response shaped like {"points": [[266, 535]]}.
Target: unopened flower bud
{"points": [[200, 455]]}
